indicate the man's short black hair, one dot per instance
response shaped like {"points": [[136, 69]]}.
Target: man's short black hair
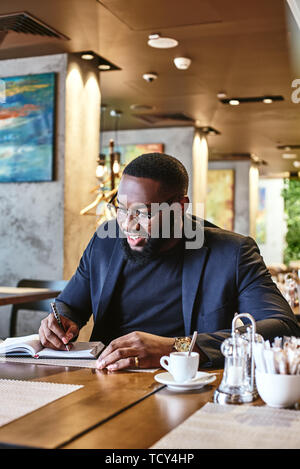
{"points": [[160, 167]]}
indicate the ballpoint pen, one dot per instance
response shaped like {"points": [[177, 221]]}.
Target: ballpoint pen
{"points": [[57, 317]]}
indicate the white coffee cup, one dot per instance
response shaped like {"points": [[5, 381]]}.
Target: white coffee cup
{"points": [[181, 365]]}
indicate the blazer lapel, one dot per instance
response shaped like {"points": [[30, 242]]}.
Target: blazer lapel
{"points": [[193, 264], [115, 265]]}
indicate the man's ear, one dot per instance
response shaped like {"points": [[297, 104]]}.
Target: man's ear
{"points": [[184, 202]]}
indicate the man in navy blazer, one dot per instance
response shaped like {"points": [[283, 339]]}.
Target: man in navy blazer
{"points": [[145, 291]]}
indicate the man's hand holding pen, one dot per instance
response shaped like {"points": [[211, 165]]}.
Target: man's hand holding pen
{"points": [[57, 336]]}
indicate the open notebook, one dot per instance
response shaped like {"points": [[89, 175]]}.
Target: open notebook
{"points": [[30, 346]]}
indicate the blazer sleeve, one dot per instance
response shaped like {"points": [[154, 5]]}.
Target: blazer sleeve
{"points": [[257, 295], [74, 301]]}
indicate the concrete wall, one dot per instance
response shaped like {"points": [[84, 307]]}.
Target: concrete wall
{"points": [[31, 214], [42, 235]]}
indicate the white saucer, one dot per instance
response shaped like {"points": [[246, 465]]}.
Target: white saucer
{"points": [[200, 380]]}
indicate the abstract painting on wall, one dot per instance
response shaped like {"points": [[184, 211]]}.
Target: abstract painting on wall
{"points": [[129, 152], [220, 198], [27, 128]]}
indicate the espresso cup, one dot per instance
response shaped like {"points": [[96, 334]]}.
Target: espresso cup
{"points": [[181, 365]]}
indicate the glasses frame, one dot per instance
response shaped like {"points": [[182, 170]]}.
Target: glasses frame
{"points": [[148, 217]]}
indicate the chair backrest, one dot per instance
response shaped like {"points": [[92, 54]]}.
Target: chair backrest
{"points": [[42, 305]]}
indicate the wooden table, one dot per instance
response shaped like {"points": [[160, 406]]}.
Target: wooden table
{"points": [[14, 295], [127, 410], [144, 424]]}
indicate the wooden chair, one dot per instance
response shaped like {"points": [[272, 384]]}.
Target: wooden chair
{"points": [[43, 305]]}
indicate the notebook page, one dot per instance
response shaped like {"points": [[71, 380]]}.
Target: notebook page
{"points": [[30, 343], [78, 350]]}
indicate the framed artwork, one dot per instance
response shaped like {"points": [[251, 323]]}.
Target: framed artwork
{"points": [[27, 120], [220, 198], [128, 153]]}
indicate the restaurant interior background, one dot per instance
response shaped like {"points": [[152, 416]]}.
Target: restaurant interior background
{"points": [[231, 115]]}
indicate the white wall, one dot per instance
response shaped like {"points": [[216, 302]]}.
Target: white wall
{"points": [[272, 250]]}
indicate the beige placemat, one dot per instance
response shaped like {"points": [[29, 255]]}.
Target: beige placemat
{"points": [[63, 362], [51, 361], [218, 426], [19, 398]]}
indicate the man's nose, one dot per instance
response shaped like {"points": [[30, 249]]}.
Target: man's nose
{"points": [[129, 222]]}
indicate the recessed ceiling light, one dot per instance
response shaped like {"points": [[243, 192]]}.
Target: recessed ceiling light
{"points": [[104, 67], [115, 113], [296, 164], [222, 95], [289, 156], [234, 102], [155, 40], [96, 60], [87, 56], [141, 107], [253, 99], [208, 130], [288, 147]]}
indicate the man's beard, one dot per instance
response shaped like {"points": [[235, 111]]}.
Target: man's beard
{"points": [[149, 252], [152, 248]]}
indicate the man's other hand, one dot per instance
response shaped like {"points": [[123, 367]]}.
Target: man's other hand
{"points": [[121, 353]]}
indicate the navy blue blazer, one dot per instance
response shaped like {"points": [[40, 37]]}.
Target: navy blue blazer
{"points": [[226, 275]]}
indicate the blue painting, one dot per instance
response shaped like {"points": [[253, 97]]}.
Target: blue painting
{"points": [[27, 110]]}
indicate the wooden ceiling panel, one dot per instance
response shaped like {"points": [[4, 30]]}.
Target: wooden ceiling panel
{"points": [[144, 15], [169, 85], [244, 48], [160, 14]]}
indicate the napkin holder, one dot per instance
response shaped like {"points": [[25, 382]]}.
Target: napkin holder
{"points": [[238, 383]]}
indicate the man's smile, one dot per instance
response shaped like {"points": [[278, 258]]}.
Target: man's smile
{"points": [[135, 240]]}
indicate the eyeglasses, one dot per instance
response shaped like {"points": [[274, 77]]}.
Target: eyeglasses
{"points": [[141, 216]]}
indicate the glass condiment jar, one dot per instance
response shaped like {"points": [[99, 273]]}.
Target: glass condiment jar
{"points": [[238, 385]]}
